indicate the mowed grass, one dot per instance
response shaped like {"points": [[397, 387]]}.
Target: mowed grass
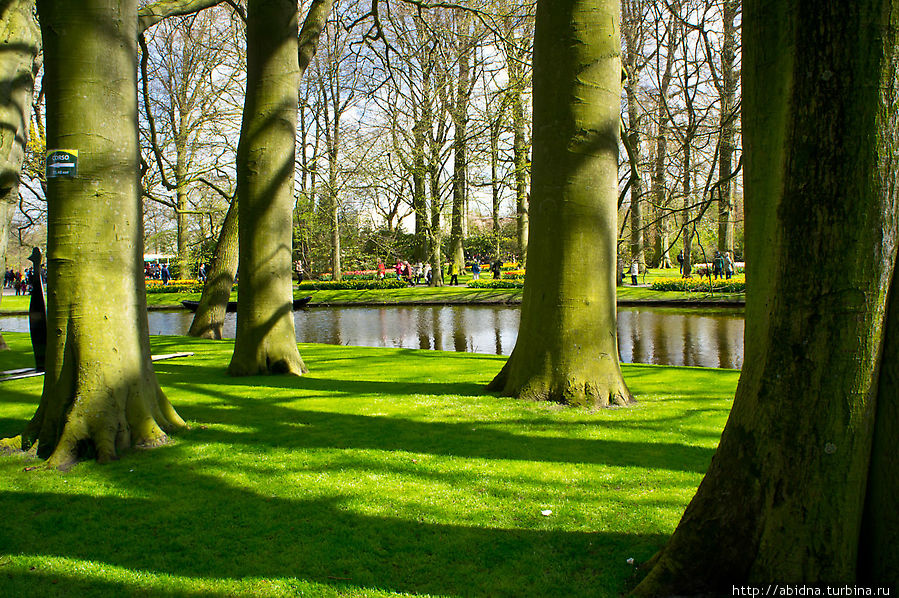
{"points": [[382, 472]]}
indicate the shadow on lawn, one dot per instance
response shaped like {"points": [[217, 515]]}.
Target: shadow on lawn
{"points": [[275, 425], [219, 532]]}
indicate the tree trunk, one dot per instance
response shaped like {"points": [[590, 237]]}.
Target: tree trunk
{"points": [[266, 340], [19, 44], [520, 158], [100, 392], [728, 129], [209, 319], [495, 182], [783, 498], [460, 164], [567, 349], [420, 246], [636, 191]]}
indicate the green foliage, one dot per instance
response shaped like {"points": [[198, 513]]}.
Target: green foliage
{"points": [[382, 472], [502, 283], [357, 284], [700, 285]]}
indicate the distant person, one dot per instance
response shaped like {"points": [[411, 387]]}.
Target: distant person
{"points": [[680, 261], [729, 265], [416, 273], [426, 272], [497, 269], [407, 273], [453, 269], [718, 265], [635, 271], [301, 273], [164, 273], [476, 270], [399, 269], [382, 270], [201, 273]]}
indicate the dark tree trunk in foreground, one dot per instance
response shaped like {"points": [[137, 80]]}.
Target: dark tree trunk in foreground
{"points": [[265, 341], [209, 318], [100, 393], [19, 44], [567, 349], [784, 496]]}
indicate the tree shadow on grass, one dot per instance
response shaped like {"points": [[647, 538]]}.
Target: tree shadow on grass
{"points": [[215, 531], [276, 426]]}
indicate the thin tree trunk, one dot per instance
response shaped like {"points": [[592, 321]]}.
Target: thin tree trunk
{"points": [[783, 498], [728, 129], [209, 319], [567, 349], [460, 164], [100, 392], [19, 44], [265, 341]]}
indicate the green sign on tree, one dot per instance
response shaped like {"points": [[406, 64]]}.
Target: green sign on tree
{"points": [[62, 163]]}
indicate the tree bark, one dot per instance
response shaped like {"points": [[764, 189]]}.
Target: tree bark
{"points": [[783, 498], [728, 128], [265, 341], [20, 42], [209, 318], [460, 142], [567, 349], [100, 392]]}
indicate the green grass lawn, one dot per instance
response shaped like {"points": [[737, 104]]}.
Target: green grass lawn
{"points": [[383, 472]]}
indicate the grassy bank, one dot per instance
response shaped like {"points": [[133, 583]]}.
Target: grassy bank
{"points": [[383, 472], [439, 295]]}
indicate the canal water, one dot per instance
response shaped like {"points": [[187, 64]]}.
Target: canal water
{"points": [[665, 336]]}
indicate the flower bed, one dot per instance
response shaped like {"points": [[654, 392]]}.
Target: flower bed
{"points": [[352, 285], [174, 286], [737, 284], [496, 284]]}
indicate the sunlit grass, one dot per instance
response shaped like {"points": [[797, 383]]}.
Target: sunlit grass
{"points": [[383, 472]]}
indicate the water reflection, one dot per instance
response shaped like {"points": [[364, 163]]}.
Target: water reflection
{"points": [[645, 335]]}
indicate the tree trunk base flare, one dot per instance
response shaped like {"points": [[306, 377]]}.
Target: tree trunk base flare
{"points": [[594, 387], [266, 358], [100, 420]]}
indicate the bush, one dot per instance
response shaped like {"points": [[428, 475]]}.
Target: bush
{"points": [[496, 284], [701, 285], [353, 285]]}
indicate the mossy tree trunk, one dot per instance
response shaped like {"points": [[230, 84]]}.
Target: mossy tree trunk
{"points": [[783, 498], [265, 340], [20, 42], [100, 393], [567, 349]]}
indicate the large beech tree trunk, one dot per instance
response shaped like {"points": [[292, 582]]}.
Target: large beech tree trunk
{"points": [[567, 349], [19, 44], [100, 393], [783, 498], [265, 341]]}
